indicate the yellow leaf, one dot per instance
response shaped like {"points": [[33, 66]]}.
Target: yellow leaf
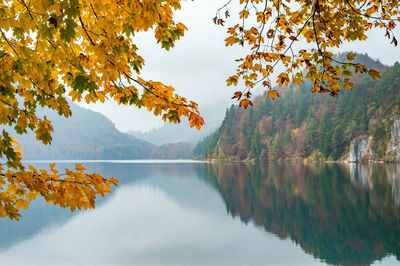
{"points": [[272, 94], [158, 32], [350, 56], [283, 79]]}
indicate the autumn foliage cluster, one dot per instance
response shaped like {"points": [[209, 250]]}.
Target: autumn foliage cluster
{"points": [[54, 50], [298, 38]]}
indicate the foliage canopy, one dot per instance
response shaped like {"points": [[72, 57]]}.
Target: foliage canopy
{"points": [[52, 49]]}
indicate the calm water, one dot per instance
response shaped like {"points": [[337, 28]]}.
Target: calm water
{"points": [[219, 214]]}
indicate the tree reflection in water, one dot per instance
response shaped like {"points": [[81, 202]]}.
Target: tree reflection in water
{"points": [[340, 213]]}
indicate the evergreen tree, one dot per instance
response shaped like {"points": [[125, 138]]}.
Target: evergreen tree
{"points": [[255, 145], [277, 146]]}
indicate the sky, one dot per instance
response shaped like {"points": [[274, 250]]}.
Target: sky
{"points": [[200, 63]]}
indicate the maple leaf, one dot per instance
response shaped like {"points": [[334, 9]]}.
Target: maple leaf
{"points": [[348, 84], [227, 15], [270, 33], [196, 120], [394, 41], [319, 89], [158, 32], [283, 79], [316, 88], [230, 41], [361, 68], [245, 103], [374, 74], [273, 94], [237, 95], [266, 83], [350, 56], [387, 34]]}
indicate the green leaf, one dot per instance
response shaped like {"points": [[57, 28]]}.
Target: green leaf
{"points": [[82, 83]]}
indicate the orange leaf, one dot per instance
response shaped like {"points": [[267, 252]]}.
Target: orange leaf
{"points": [[245, 103], [270, 33], [237, 95], [316, 89], [374, 74], [266, 83], [196, 120]]}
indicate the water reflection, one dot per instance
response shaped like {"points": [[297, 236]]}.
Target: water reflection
{"points": [[176, 214], [342, 214], [160, 215], [41, 215]]}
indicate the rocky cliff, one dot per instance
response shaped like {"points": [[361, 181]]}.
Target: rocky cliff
{"points": [[393, 148], [360, 149], [363, 148]]}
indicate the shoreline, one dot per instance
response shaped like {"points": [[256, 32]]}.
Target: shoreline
{"points": [[300, 160]]}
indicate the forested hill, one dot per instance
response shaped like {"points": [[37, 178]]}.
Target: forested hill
{"points": [[90, 135], [356, 125]]}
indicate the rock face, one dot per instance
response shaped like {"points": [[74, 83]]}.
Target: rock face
{"points": [[360, 149], [393, 148]]}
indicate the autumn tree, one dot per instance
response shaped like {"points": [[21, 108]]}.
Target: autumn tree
{"points": [[299, 37], [54, 49]]}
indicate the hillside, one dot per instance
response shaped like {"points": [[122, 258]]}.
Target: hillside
{"points": [[362, 124], [90, 135]]}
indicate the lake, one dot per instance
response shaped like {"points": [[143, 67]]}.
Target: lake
{"points": [[196, 213]]}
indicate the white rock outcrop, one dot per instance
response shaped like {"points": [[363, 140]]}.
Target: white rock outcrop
{"points": [[360, 149]]}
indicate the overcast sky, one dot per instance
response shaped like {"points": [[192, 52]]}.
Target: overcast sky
{"points": [[200, 63]]}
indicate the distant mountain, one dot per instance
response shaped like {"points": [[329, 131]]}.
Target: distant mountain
{"points": [[361, 124], [171, 133], [176, 133], [90, 135]]}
